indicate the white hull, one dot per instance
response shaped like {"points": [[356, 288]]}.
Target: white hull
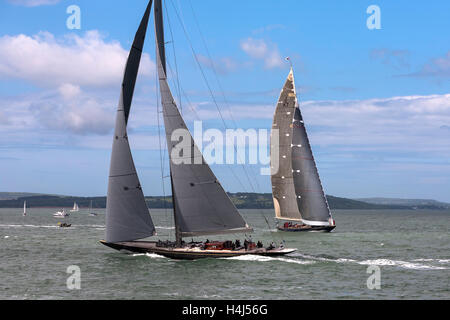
{"points": [[61, 215]]}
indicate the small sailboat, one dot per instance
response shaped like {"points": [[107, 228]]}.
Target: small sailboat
{"points": [[61, 214], [201, 206], [91, 212], [24, 208], [298, 196], [75, 207]]}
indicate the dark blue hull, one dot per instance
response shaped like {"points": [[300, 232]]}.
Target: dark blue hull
{"points": [[308, 229]]}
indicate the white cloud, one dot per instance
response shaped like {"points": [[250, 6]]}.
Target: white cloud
{"points": [[88, 60], [33, 3], [69, 91], [260, 50]]}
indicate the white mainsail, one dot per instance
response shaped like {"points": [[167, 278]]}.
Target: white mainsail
{"points": [[75, 207]]}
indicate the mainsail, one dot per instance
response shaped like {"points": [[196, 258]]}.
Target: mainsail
{"points": [[201, 205], [297, 189], [127, 215], [75, 207]]}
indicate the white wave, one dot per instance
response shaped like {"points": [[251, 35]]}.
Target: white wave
{"points": [[432, 260], [6, 237], [268, 259], [342, 260], [165, 228], [150, 255], [269, 230], [25, 226], [382, 262], [339, 260], [423, 260], [95, 226], [402, 264]]}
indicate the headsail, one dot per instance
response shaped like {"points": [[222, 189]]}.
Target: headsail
{"points": [[127, 215], [202, 206], [297, 187]]}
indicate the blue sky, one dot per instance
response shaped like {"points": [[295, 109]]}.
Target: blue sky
{"points": [[376, 102]]}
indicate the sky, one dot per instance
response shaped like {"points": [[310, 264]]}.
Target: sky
{"points": [[376, 102]]}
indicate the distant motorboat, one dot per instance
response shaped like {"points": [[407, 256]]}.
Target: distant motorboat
{"points": [[75, 207], [64, 225], [61, 214]]}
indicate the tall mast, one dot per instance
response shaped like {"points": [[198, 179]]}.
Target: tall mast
{"points": [[178, 237], [161, 55], [159, 29]]}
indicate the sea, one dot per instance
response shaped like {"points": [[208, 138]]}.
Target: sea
{"points": [[372, 254]]}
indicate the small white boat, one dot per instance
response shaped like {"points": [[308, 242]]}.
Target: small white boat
{"points": [[75, 207], [91, 213], [25, 209], [61, 214]]}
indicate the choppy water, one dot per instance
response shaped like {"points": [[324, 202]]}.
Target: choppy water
{"points": [[412, 249]]}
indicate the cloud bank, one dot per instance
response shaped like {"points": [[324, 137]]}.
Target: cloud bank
{"points": [[46, 61]]}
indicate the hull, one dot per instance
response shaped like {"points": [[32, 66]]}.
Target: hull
{"points": [[308, 229], [187, 253]]}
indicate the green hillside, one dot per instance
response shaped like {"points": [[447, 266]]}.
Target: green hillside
{"points": [[241, 200]]}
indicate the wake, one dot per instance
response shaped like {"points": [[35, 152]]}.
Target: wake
{"points": [[413, 265]]}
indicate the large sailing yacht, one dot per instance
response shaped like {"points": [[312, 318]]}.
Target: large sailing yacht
{"points": [[299, 200], [201, 206]]}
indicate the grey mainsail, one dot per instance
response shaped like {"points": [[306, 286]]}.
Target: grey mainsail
{"points": [[297, 189], [127, 215], [201, 205]]}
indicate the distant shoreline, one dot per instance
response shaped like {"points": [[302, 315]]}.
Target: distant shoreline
{"points": [[240, 200]]}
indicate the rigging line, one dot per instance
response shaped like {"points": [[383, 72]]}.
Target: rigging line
{"points": [[161, 155], [220, 87], [216, 76], [207, 83]]}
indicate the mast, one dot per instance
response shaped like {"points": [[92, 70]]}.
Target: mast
{"points": [[127, 214], [178, 236], [202, 206]]}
